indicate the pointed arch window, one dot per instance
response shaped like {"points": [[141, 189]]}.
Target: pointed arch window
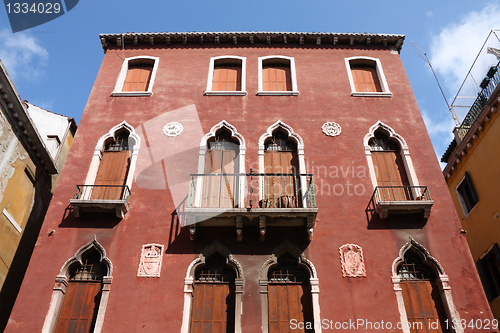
{"points": [[421, 295], [281, 172]]}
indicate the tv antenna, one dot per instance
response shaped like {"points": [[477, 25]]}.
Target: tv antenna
{"points": [[426, 59]]}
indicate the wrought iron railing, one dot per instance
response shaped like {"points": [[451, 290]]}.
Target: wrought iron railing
{"points": [[101, 192], [488, 86], [401, 193], [251, 190]]}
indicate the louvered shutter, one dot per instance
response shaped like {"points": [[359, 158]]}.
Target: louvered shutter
{"points": [[138, 77], [390, 171], [287, 302], [227, 77], [365, 78], [112, 171], [209, 310]]}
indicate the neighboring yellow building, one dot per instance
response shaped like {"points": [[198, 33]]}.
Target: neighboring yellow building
{"points": [[473, 177], [33, 146]]}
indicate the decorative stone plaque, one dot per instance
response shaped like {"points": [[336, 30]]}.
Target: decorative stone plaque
{"points": [[173, 129], [351, 259], [331, 129], [151, 257]]}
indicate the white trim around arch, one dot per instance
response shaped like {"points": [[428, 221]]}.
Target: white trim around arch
{"points": [[216, 247], [380, 73], [291, 62], [442, 281], [241, 92], [62, 282], [118, 91]]}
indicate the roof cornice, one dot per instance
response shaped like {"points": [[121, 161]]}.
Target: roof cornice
{"points": [[297, 39], [22, 124]]}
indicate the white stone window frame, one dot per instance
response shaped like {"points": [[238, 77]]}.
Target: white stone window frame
{"points": [[461, 199], [291, 249], [62, 282], [300, 154], [240, 160], [380, 73], [118, 91], [189, 282], [242, 92], [442, 282], [134, 143], [291, 62], [404, 151]]}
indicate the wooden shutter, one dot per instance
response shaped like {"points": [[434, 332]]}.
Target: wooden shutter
{"points": [[112, 171], [79, 308], [423, 305], [390, 171], [138, 77], [365, 78], [209, 310], [287, 302], [219, 188], [276, 77], [281, 189], [227, 77]]}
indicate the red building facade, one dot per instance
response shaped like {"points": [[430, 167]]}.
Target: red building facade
{"points": [[251, 182]]}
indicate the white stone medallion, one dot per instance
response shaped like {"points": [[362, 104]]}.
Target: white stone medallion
{"points": [[173, 128], [351, 259], [331, 128], [151, 258]]}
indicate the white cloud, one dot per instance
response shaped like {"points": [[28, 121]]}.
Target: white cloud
{"points": [[454, 49], [22, 55]]}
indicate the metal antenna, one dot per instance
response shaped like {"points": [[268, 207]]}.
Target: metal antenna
{"points": [[426, 59]]}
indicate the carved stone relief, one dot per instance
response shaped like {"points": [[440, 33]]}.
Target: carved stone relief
{"points": [[151, 258], [351, 259], [173, 128], [331, 129]]}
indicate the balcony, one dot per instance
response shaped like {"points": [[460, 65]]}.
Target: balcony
{"points": [[100, 198], [402, 200], [251, 200], [488, 87]]}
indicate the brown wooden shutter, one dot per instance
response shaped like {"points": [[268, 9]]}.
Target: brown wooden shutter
{"points": [[219, 187], [281, 189], [365, 78], [79, 307], [209, 310], [390, 171], [276, 77], [287, 302], [112, 171], [423, 305], [227, 77], [138, 77]]}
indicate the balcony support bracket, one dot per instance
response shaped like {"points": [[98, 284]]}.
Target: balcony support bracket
{"points": [[311, 221], [262, 227], [239, 228], [192, 232]]}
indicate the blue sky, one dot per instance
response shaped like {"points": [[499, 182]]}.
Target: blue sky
{"points": [[54, 65]]}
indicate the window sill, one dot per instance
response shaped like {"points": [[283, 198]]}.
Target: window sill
{"points": [[225, 93], [278, 93], [371, 94], [131, 93]]}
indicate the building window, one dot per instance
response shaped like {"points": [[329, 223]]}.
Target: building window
{"points": [[366, 77], [489, 271], [467, 194], [289, 295], [226, 76], [213, 304], [421, 294], [281, 172], [277, 76], [136, 77]]}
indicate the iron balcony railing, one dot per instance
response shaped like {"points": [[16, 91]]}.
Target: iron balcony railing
{"points": [[251, 190], [488, 86], [401, 193], [101, 193]]}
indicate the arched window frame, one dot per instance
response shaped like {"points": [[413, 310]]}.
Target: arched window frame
{"points": [[241, 92], [291, 61], [442, 281], [303, 262], [134, 144], [404, 151], [241, 159], [300, 154], [189, 281], [380, 73], [62, 282], [118, 91]]}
